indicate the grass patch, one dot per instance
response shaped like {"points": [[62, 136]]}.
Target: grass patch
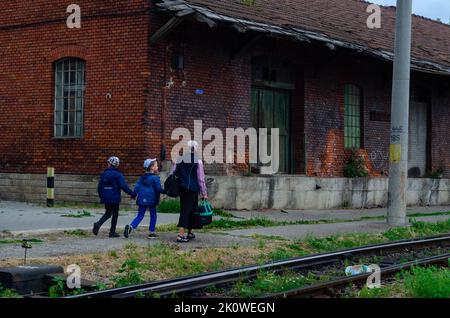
{"points": [[134, 263], [267, 237], [78, 214], [431, 282], [77, 232], [418, 282], [8, 293], [227, 223], [113, 254], [222, 213], [232, 224], [420, 214], [269, 282], [418, 229], [173, 206], [74, 205], [59, 289], [9, 241], [281, 253], [129, 273], [313, 245], [171, 227], [169, 206]]}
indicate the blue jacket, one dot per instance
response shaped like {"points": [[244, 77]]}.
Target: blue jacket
{"points": [[148, 190], [109, 186]]}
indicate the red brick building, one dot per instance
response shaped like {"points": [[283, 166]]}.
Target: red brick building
{"points": [[137, 69]]}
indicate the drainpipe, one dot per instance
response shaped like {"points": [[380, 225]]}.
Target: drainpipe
{"points": [[398, 150], [164, 93]]}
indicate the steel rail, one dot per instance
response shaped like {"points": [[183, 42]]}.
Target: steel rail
{"points": [[195, 282], [326, 287]]}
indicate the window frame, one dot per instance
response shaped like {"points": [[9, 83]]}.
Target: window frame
{"points": [[60, 107], [353, 93]]}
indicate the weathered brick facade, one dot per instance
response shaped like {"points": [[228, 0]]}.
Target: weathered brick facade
{"points": [[142, 112], [112, 40]]}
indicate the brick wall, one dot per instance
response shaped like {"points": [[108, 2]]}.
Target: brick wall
{"points": [[138, 119], [112, 40], [225, 83], [324, 109], [324, 113], [440, 126]]}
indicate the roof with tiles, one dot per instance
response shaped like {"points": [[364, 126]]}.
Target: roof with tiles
{"points": [[342, 20]]}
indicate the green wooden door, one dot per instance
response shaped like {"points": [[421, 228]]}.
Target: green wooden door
{"points": [[271, 109]]}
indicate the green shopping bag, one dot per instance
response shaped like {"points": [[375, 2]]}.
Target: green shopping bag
{"points": [[204, 213]]}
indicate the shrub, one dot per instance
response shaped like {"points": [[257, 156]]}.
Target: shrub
{"points": [[435, 174], [355, 167]]}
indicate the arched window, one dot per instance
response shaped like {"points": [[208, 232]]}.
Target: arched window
{"points": [[352, 117], [69, 97]]}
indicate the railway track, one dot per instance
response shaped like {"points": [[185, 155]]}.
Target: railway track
{"points": [[335, 287], [194, 285]]}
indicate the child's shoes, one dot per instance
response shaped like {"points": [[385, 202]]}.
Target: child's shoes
{"points": [[127, 231]]}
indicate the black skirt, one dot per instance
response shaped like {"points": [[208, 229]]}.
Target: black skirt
{"points": [[188, 206]]}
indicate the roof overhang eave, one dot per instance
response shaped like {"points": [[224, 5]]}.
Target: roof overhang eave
{"points": [[202, 14]]}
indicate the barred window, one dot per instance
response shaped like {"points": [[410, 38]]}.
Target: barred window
{"points": [[69, 97], [352, 117]]}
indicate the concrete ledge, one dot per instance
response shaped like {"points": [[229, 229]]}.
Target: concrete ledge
{"points": [[244, 193]]}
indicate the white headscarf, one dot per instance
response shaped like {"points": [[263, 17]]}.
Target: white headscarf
{"points": [[193, 144], [114, 161]]}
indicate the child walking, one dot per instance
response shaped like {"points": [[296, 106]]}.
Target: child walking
{"points": [[109, 187], [148, 190]]}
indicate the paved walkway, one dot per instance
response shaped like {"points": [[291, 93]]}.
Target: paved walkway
{"points": [[28, 220], [18, 217]]}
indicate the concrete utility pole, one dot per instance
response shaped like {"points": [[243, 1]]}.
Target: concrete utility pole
{"points": [[398, 150]]}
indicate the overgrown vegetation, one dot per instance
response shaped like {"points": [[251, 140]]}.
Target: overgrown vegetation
{"points": [[355, 167], [169, 206], [129, 273], [248, 2], [419, 282], [429, 282], [78, 214], [228, 224], [173, 206], [437, 174], [8, 293], [17, 241], [312, 244], [77, 232], [59, 289], [75, 205], [269, 282]]}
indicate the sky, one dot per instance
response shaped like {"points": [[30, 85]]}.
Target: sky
{"points": [[428, 8]]}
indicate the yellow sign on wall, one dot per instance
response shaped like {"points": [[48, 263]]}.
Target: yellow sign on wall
{"points": [[395, 153]]}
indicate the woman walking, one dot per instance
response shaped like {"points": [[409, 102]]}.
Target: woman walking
{"points": [[191, 172]]}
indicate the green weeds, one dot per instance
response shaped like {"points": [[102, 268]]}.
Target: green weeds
{"points": [[78, 214]]}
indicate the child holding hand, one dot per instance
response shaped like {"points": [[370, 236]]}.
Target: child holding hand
{"points": [[148, 190]]}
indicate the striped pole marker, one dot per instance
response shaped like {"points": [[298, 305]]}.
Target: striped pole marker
{"points": [[50, 187]]}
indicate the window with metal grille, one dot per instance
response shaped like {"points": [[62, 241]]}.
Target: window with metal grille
{"points": [[352, 117], [69, 97]]}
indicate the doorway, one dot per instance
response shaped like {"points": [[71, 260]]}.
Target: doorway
{"points": [[271, 109], [418, 139]]}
